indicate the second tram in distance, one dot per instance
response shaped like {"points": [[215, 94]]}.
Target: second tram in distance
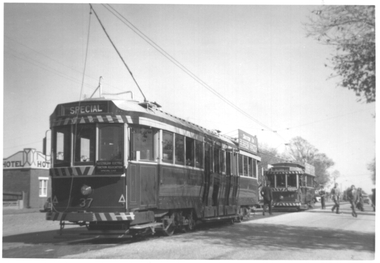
{"points": [[292, 184]]}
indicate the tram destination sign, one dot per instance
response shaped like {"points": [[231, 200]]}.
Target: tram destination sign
{"points": [[86, 108], [248, 142]]}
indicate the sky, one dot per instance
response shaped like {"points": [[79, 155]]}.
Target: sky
{"points": [[255, 57]]}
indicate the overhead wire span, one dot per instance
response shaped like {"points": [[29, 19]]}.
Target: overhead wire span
{"points": [[181, 66]]}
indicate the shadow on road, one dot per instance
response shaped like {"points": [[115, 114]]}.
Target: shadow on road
{"points": [[251, 235], [286, 237]]}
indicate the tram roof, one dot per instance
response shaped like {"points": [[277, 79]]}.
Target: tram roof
{"points": [[288, 164], [151, 111]]}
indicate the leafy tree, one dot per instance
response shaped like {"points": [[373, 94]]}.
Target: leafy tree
{"points": [[372, 167], [302, 151], [322, 163], [268, 156], [351, 30]]}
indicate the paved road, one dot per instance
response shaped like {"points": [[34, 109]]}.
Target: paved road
{"points": [[315, 234]]}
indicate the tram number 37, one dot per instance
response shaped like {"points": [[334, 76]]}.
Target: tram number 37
{"points": [[85, 202]]}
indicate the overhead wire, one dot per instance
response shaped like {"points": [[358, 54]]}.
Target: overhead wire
{"points": [[180, 65], [125, 64]]}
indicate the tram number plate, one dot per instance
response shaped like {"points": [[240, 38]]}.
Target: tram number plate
{"points": [[85, 202]]}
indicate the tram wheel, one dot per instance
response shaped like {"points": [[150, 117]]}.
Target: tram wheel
{"points": [[192, 223], [169, 226]]}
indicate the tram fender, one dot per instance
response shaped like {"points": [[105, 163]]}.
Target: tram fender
{"points": [[143, 217]]}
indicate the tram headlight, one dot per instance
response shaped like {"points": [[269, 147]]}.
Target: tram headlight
{"points": [[86, 190], [281, 197]]}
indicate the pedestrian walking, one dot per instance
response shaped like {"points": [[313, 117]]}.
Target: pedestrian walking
{"points": [[359, 203], [266, 193], [352, 196], [322, 194], [335, 195]]}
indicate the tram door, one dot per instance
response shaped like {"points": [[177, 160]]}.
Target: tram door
{"points": [[207, 177], [142, 185]]}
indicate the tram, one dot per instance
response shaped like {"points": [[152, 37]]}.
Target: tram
{"points": [[122, 168], [292, 185]]}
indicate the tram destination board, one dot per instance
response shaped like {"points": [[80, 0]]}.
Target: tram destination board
{"points": [[109, 167], [247, 142]]}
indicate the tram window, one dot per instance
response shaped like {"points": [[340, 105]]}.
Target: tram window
{"points": [[84, 143], [245, 165], [216, 159], [240, 164], [142, 144], [292, 180], [62, 145], [253, 167], [222, 162], [190, 151], [250, 166], [302, 180], [179, 149], [280, 180], [228, 163], [198, 154], [270, 178], [309, 181], [111, 142], [167, 147]]}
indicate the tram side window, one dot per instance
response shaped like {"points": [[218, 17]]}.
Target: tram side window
{"points": [[179, 149], [167, 147], [292, 180], [142, 144], [250, 167], [309, 181], [245, 165], [253, 168], [228, 163], [111, 142], [216, 159], [198, 154], [280, 180], [190, 151], [62, 146], [240, 160], [222, 162], [302, 180], [84, 143]]}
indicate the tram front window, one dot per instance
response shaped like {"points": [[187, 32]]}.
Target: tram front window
{"points": [[84, 143], [61, 146], [280, 180], [270, 178], [111, 142]]}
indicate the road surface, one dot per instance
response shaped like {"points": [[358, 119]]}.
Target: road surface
{"points": [[315, 234]]}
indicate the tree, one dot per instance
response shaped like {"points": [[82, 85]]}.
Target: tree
{"points": [[322, 163], [351, 30], [372, 167], [302, 151]]}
